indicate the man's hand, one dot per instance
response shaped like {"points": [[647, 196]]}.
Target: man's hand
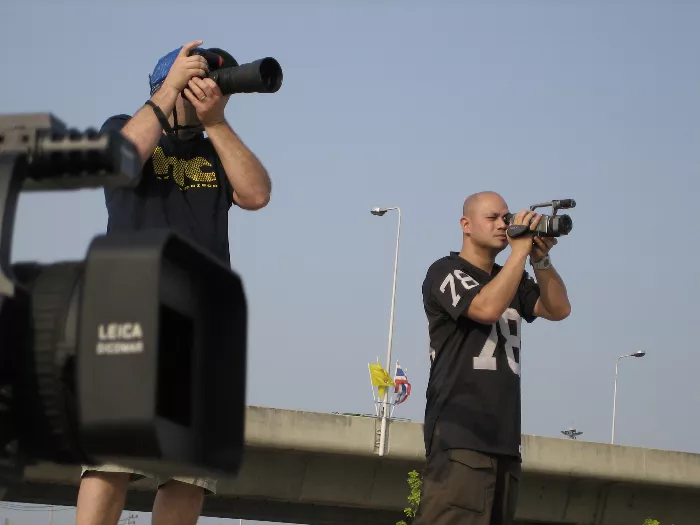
{"points": [[207, 99], [541, 248], [523, 245], [186, 67]]}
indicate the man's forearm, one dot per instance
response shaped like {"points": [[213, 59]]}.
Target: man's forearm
{"points": [[247, 175], [144, 129], [553, 295], [494, 298]]}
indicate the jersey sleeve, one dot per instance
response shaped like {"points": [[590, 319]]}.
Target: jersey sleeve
{"points": [[528, 293], [451, 288]]}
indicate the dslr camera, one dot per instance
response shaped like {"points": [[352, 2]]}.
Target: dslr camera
{"points": [[550, 225], [261, 76], [135, 355]]}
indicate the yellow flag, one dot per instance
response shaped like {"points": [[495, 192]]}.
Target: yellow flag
{"points": [[380, 378]]}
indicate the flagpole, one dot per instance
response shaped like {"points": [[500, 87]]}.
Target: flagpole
{"points": [[382, 436], [393, 405]]}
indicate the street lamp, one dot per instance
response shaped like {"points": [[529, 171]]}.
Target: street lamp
{"points": [[379, 212], [640, 353], [572, 433]]}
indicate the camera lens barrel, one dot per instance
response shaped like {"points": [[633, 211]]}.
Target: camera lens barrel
{"points": [[261, 76], [549, 225]]}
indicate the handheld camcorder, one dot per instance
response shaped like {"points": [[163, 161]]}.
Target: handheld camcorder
{"points": [[550, 225], [135, 355], [261, 76]]}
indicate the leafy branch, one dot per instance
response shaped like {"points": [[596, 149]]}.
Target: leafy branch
{"points": [[414, 483]]}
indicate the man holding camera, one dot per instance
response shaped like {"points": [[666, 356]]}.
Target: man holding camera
{"points": [[189, 183], [472, 417]]}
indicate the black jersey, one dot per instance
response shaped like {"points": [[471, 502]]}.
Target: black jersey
{"points": [[474, 385], [183, 187]]}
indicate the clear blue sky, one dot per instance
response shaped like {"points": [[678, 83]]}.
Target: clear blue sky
{"points": [[398, 103]]}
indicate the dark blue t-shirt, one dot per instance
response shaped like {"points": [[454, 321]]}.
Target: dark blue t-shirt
{"points": [[184, 188]]}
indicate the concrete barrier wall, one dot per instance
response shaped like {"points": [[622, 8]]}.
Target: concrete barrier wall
{"points": [[314, 468]]}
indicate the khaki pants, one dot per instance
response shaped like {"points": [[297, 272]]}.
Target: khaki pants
{"points": [[209, 485], [466, 487]]}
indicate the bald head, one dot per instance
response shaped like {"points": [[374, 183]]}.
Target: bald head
{"points": [[477, 201], [482, 223]]}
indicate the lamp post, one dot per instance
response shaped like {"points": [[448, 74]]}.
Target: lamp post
{"points": [[641, 353], [379, 212]]}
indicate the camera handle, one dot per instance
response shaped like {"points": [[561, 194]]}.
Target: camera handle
{"points": [[38, 153], [556, 205]]}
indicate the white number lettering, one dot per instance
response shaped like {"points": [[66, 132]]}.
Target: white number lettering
{"points": [[451, 281], [512, 340], [486, 360], [467, 281]]}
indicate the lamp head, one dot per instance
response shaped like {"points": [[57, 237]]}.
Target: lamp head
{"points": [[378, 211], [640, 353]]}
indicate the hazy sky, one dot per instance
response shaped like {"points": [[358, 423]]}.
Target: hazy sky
{"points": [[401, 104]]}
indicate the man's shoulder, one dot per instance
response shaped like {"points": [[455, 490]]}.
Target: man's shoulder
{"points": [[115, 122], [438, 271], [446, 263]]}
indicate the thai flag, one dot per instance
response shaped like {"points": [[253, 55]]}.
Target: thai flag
{"points": [[402, 387]]}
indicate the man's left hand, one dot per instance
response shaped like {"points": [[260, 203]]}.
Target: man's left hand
{"points": [[207, 99], [541, 247]]}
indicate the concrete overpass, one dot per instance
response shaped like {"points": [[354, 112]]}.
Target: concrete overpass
{"points": [[322, 469]]}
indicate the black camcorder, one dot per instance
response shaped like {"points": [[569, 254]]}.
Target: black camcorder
{"points": [[135, 355], [550, 225], [261, 76]]}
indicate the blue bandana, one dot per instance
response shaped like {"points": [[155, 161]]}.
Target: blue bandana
{"points": [[155, 79]]}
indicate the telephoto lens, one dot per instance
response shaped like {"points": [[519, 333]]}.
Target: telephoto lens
{"points": [[261, 76]]}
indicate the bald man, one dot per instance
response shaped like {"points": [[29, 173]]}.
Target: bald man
{"points": [[472, 416]]}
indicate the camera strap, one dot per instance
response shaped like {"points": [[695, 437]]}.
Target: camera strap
{"points": [[171, 131], [161, 117]]}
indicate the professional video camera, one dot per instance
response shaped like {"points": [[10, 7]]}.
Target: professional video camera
{"points": [[261, 76], [135, 355], [549, 226]]}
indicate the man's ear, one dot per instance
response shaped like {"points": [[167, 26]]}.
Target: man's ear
{"points": [[466, 226]]}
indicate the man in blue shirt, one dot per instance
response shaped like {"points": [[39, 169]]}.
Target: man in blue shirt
{"points": [[189, 183]]}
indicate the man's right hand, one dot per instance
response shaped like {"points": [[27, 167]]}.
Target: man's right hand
{"points": [[186, 67], [523, 245]]}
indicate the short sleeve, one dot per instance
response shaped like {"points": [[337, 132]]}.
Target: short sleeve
{"points": [[112, 124], [452, 288], [115, 123], [528, 294]]}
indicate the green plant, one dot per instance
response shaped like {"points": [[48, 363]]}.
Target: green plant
{"points": [[414, 482]]}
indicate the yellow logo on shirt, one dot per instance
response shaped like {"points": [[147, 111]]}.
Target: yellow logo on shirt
{"points": [[182, 169]]}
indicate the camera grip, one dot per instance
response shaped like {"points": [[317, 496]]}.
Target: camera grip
{"points": [[518, 230]]}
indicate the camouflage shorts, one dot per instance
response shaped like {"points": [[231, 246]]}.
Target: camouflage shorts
{"points": [[208, 484]]}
